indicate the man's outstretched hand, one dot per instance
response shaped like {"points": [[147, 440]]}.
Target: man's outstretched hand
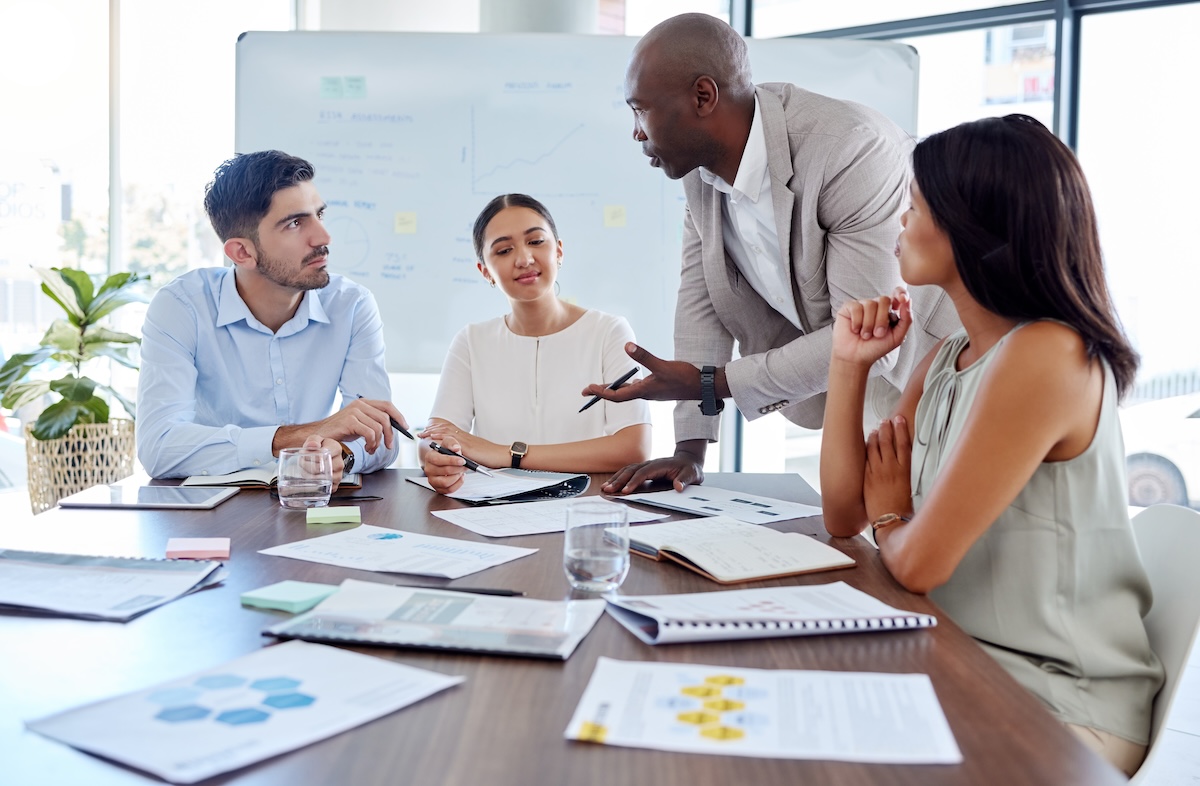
{"points": [[669, 380]]}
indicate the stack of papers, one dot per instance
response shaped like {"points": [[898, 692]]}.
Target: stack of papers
{"points": [[393, 551], [97, 588], [526, 518], [362, 612], [514, 485], [712, 501], [257, 706]]}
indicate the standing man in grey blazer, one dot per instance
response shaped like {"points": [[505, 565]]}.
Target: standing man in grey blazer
{"points": [[793, 207]]}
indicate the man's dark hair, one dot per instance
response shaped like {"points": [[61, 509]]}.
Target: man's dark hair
{"points": [[241, 190], [1013, 200]]}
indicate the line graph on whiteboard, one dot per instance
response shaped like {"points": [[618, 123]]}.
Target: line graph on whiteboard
{"points": [[535, 160]]}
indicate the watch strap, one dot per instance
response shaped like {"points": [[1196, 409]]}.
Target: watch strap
{"points": [[347, 458], [709, 403]]}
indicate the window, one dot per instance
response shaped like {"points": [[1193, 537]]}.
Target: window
{"points": [[641, 15], [773, 18]]}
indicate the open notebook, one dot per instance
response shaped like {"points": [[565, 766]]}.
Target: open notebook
{"points": [[259, 477], [729, 551]]}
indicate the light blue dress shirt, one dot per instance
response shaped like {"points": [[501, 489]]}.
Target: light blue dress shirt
{"points": [[215, 382]]}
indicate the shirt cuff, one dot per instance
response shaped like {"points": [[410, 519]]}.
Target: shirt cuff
{"points": [[254, 446]]}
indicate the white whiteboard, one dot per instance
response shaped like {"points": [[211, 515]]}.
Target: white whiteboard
{"points": [[412, 133]]}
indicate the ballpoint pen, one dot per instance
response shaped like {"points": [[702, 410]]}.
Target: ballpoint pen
{"points": [[474, 590], [396, 425], [624, 378], [472, 465]]}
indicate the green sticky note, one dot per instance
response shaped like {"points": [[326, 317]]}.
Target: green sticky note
{"points": [[331, 87], [292, 596], [339, 515], [356, 86]]}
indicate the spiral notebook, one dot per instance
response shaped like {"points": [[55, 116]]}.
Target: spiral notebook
{"points": [[767, 613]]}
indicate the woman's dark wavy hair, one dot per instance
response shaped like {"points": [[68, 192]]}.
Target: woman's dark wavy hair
{"points": [[499, 203], [1014, 202]]}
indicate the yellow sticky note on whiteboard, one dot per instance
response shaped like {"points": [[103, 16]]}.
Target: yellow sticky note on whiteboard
{"points": [[406, 224], [614, 216]]}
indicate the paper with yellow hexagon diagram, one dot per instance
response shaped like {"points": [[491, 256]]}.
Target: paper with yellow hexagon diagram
{"points": [[765, 713]]}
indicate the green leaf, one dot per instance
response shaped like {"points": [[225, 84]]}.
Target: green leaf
{"points": [[19, 365], [22, 393], [61, 292], [98, 408], [119, 354], [80, 282], [104, 305], [74, 389], [63, 335], [98, 333], [120, 281], [129, 406], [60, 417]]}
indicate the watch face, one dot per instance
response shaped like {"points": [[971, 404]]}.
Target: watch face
{"points": [[520, 448]]}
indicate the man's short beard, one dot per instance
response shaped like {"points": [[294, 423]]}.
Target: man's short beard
{"points": [[281, 273]]}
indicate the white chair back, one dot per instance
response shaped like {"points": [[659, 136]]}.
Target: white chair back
{"points": [[1168, 538]]}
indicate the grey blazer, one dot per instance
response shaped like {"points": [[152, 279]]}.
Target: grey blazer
{"points": [[839, 183]]}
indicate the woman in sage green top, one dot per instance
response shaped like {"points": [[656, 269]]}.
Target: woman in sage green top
{"points": [[998, 486]]}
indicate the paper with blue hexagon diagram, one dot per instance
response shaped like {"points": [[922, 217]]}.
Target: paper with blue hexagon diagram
{"points": [[272, 701], [765, 713], [392, 551]]}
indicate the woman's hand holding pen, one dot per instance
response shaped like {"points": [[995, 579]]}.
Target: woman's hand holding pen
{"points": [[446, 473], [866, 330]]}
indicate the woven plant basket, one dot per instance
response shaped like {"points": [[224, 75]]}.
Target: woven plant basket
{"points": [[88, 455]]}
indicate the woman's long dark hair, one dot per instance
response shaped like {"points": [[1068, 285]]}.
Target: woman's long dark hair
{"points": [[1014, 202]]}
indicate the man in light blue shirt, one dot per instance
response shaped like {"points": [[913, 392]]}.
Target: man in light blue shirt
{"points": [[240, 362]]}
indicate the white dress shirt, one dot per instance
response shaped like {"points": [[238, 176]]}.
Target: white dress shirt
{"points": [[216, 383], [507, 388], [748, 218]]}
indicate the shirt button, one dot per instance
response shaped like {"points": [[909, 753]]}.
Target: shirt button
{"points": [[204, 472], [279, 381], [257, 462]]}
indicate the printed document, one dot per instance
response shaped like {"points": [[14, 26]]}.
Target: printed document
{"points": [[393, 551], [363, 612], [526, 518], [101, 588], [712, 501], [260, 705], [765, 713]]}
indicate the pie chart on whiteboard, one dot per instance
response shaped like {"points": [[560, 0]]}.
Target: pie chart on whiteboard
{"points": [[350, 246]]}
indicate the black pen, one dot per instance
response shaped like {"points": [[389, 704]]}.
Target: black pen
{"points": [[474, 590], [396, 425], [470, 464], [624, 378]]}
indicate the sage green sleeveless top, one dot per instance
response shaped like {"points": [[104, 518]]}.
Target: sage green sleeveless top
{"points": [[1054, 589]]}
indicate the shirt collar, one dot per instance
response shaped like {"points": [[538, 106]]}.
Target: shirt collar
{"points": [[752, 169], [231, 308]]}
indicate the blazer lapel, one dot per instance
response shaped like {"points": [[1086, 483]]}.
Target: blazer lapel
{"points": [[779, 163]]}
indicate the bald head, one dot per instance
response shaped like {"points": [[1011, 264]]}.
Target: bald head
{"points": [[688, 84], [686, 47]]}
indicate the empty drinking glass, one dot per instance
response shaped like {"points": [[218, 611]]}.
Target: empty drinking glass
{"points": [[305, 477], [596, 545]]}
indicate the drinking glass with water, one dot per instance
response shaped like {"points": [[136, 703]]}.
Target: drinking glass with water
{"points": [[305, 477], [596, 545]]}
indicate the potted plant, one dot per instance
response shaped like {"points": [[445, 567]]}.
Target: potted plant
{"points": [[74, 443]]}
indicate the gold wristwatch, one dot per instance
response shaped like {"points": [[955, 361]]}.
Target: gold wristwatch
{"points": [[518, 450], [888, 520]]}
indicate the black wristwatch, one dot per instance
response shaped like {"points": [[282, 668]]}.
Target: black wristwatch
{"points": [[709, 403], [518, 450], [347, 459]]}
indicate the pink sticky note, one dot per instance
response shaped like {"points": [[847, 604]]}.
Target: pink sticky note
{"points": [[198, 548]]}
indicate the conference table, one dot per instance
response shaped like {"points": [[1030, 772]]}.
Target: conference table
{"points": [[505, 723]]}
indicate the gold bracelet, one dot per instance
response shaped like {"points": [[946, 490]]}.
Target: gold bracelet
{"points": [[887, 520]]}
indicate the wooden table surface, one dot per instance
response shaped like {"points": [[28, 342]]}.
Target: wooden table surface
{"points": [[505, 724]]}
